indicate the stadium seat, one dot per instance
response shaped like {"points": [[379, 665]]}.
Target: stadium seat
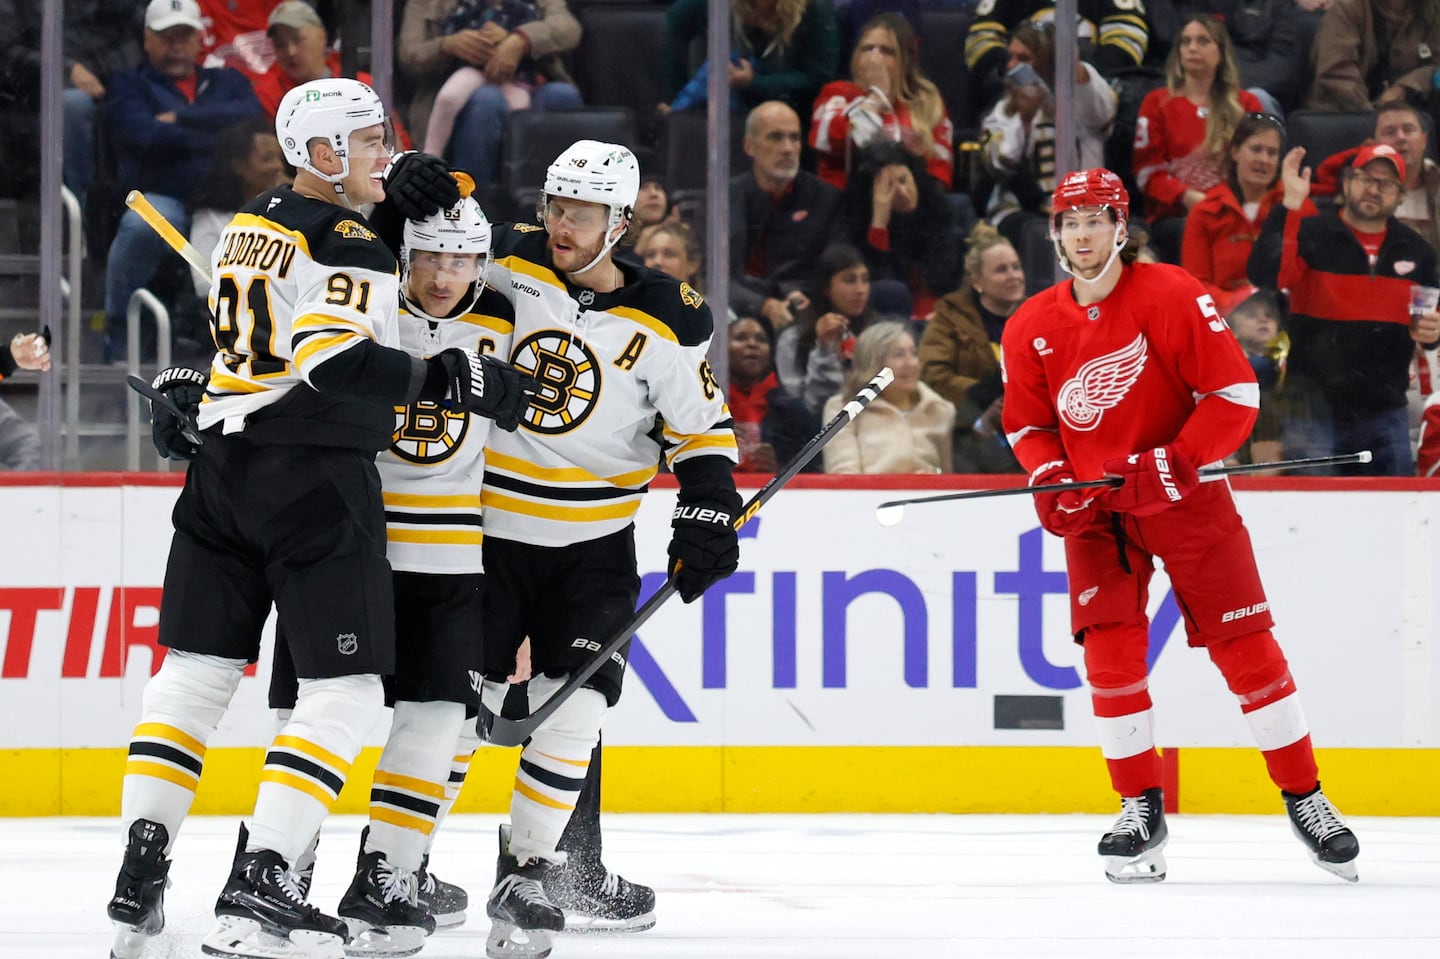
{"points": [[618, 60], [534, 138], [942, 46], [1326, 134], [683, 149]]}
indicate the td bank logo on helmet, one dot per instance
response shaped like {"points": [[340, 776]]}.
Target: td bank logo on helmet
{"points": [[312, 96]]}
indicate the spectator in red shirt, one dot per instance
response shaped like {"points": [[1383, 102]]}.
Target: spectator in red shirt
{"points": [[1184, 128], [1222, 228], [886, 97]]}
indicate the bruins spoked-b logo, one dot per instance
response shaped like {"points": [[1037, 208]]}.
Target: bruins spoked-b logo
{"points": [[569, 379], [427, 433]]}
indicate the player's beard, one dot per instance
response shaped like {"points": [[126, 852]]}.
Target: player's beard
{"points": [[575, 258]]}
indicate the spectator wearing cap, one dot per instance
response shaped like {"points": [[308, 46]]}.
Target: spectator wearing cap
{"points": [[163, 117], [1402, 126], [1349, 274], [303, 53]]}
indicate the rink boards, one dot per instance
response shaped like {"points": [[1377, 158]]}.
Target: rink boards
{"points": [[846, 667]]}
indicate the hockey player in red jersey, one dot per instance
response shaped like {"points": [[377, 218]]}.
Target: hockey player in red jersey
{"points": [[1128, 370]]}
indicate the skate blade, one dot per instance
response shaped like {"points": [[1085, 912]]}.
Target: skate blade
{"points": [[508, 941], [1147, 867], [1345, 870], [448, 920], [582, 924], [129, 942], [246, 938], [389, 942]]}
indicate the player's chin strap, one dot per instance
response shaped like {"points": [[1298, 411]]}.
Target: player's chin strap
{"points": [[1119, 244], [337, 180]]}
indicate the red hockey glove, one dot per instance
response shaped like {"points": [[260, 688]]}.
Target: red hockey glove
{"points": [[1063, 512], [1154, 480]]}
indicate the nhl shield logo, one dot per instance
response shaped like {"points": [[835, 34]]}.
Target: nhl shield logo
{"points": [[586, 297], [347, 643]]}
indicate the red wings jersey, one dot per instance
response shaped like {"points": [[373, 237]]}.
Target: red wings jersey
{"points": [[1151, 364]]}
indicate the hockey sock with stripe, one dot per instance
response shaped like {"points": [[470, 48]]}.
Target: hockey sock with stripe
{"points": [[409, 786]]}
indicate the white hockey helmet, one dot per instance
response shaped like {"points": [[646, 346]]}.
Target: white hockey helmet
{"points": [[330, 109], [460, 229], [604, 173]]}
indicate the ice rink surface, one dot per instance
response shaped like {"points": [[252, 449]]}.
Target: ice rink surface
{"points": [[827, 887]]}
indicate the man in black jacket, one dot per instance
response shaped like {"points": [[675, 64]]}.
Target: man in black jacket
{"points": [[781, 217], [1349, 276]]}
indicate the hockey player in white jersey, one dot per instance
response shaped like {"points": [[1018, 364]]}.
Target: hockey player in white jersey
{"points": [[281, 506], [620, 355]]}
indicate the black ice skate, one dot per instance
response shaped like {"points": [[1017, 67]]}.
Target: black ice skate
{"points": [[1319, 825], [1133, 848], [263, 915], [523, 922], [597, 900], [138, 906], [445, 901], [381, 911]]}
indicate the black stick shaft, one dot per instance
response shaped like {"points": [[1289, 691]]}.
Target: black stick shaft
{"points": [[1313, 462], [502, 731]]}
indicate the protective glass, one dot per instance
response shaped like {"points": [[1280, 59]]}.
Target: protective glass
{"points": [[574, 215]]}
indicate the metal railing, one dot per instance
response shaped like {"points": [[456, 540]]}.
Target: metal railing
{"points": [[142, 299]]}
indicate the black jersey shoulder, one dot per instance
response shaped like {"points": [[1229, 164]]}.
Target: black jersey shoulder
{"points": [[493, 303], [672, 302], [334, 235], [525, 240]]}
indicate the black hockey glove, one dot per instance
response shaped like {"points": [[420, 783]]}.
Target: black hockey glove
{"points": [[419, 185], [704, 547], [173, 436], [479, 383]]}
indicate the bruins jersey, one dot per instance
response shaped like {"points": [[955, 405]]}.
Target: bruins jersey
{"points": [[430, 475], [623, 378], [299, 283]]}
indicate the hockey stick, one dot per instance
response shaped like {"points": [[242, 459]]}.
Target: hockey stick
{"points": [[153, 218], [192, 429], [891, 513], [500, 731]]}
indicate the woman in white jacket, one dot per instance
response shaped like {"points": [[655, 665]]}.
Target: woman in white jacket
{"points": [[908, 429]]}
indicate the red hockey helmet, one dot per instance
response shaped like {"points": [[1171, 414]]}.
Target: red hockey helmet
{"points": [[1096, 187]]}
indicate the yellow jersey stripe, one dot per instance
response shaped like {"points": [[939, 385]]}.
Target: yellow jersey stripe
{"points": [[409, 783], [283, 777], [539, 797], [438, 502], [572, 514], [451, 537], [257, 222], [577, 763], [181, 778], [225, 383], [170, 734], [535, 271], [645, 320], [393, 817], [565, 474], [306, 748], [319, 344], [325, 321]]}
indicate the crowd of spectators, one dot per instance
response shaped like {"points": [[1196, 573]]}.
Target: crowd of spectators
{"points": [[879, 209]]}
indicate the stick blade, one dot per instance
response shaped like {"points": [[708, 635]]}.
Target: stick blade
{"points": [[889, 514]]}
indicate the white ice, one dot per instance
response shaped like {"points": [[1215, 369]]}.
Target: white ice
{"points": [[827, 887]]}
